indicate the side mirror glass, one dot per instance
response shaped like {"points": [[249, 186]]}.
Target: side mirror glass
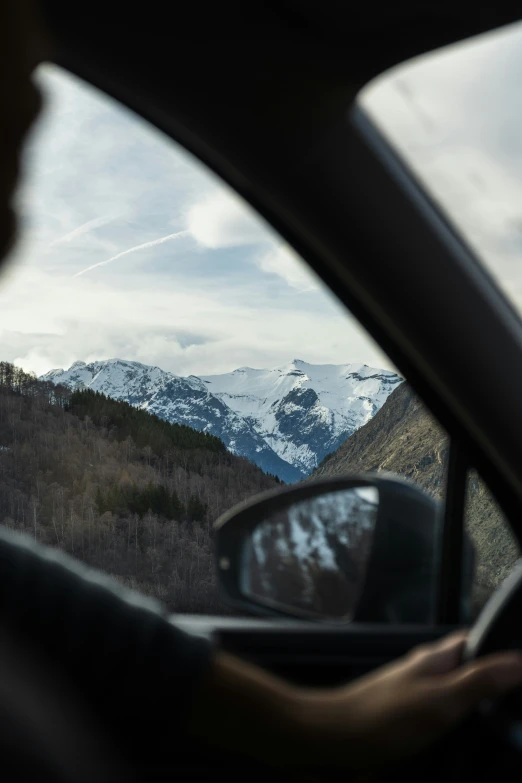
{"points": [[311, 556], [363, 549]]}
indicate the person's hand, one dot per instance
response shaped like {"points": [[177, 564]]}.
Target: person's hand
{"points": [[358, 729], [404, 707]]}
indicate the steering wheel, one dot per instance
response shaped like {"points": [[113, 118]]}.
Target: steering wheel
{"points": [[499, 628]]}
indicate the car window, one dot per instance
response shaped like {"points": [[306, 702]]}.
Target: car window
{"points": [[454, 115], [165, 355]]}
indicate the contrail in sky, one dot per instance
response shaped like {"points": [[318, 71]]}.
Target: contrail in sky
{"points": [[134, 249], [77, 232]]}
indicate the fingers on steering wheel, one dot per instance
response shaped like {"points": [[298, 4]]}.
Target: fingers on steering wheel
{"points": [[442, 656], [481, 680]]}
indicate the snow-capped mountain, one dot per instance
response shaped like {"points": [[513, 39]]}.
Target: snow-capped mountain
{"points": [[305, 411], [176, 399], [285, 420]]}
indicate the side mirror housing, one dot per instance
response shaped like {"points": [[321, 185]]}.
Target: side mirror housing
{"points": [[354, 549]]}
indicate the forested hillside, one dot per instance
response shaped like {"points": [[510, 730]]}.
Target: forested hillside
{"points": [[120, 489]]}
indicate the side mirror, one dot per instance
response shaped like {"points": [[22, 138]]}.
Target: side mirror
{"points": [[363, 549]]}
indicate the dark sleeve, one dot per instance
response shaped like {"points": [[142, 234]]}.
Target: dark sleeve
{"points": [[134, 668]]}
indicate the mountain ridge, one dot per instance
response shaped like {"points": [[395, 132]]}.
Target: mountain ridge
{"points": [[285, 419]]}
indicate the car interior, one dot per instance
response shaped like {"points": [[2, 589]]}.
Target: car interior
{"points": [[266, 95]]}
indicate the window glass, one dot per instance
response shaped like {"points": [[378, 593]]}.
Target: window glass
{"points": [[455, 116], [165, 356]]}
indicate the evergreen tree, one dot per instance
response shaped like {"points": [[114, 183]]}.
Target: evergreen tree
{"points": [[146, 429], [196, 509]]}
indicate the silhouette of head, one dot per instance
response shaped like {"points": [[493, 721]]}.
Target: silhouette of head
{"points": [[22, 48]]}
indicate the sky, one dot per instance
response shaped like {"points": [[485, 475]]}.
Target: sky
{"points": [[456, 118], [130, 248]]}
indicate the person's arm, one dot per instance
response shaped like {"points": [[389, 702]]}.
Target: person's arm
{"points": [[360, 728], [151, 685], [115, 651]]}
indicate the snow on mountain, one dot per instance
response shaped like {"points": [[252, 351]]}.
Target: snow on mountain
{"points": [[285, 420], [305, 411]]}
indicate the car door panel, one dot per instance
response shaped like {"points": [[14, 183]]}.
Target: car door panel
{"points": [[321, 655], [312, 653]]}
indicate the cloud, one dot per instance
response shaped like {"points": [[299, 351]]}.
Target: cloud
{"points": [[284, 262], [173, 323], [89, 225], [222, 219], [134, 249]]}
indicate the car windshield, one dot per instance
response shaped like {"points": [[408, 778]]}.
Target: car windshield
{"points": [[455, 116]]}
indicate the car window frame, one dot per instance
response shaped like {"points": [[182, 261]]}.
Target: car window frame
{"points": [[359, 135]]}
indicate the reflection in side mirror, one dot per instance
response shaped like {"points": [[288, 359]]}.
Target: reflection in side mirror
{"points": [[312, 555], [363, 549]]}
